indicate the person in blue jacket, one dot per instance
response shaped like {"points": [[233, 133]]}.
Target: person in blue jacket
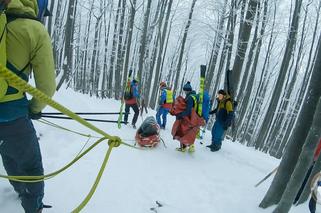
{"points": [[191, 102], [165, 104], [132, 102]]}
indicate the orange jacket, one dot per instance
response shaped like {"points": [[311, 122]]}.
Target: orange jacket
{"points": [[185, 129]]}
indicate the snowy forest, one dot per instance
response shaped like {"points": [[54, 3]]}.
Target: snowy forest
{"points": [[272, 48]]}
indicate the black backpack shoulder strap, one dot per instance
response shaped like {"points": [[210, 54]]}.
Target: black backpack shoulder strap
{"points": [[11, 17]]}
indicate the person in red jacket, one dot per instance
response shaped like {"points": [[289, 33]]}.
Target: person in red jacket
{"points": [[131, 102]]}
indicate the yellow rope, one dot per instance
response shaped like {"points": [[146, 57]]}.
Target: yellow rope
{"points": [[19, 83], [114, 141], [111, 143], [33, 179]]}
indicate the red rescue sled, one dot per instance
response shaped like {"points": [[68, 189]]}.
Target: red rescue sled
{"points": [[147, 134]]}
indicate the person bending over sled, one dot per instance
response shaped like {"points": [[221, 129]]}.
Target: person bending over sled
{"points": [[187, 122], [224, 116]]}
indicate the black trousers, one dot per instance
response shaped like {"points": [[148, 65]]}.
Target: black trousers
{"points": [[21, 156], [136, 110], [312, 205]]}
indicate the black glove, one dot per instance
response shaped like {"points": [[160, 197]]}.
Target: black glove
{"points": [[213, 112], [35, 116], [178, 117]]}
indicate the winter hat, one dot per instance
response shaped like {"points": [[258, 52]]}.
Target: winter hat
{"points": [[222, 92], [162, 84], [135, 81], [187, 87]]}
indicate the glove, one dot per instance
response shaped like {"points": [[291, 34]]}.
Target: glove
{"points": [[213, 112], [35, 116], [179, 117]]}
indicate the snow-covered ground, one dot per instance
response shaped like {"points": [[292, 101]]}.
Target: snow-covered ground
{"points": [[202, 182]]}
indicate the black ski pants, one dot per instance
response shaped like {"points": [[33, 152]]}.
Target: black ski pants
{"points": [[136, 110], [20, 152]]}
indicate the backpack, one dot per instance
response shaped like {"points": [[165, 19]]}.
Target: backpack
{"points": [[234, 105], [205, 104], [128, 92]]}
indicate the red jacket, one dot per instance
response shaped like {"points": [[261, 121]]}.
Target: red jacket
{"points": [[317, 151], [131, 101], [185, 129]]}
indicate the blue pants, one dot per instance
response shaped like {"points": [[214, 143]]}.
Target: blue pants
{"points": [[20, 152], [217, 134], [162, 112]]}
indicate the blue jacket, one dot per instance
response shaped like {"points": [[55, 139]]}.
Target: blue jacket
{"points": [[190, 104], [134, 89]]}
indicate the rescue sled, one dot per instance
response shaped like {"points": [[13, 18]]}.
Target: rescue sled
{"points": [[147, 134]]}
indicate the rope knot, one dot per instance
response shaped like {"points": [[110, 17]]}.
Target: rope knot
{"points": [[115, 141]]}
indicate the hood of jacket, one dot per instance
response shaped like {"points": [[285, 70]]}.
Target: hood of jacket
{"points": [[23, 7]]}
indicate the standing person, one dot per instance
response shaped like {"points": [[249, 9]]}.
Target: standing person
{"points": [[165, 104], [187, 122], [131, 102], [28, 49], [224, 116]]}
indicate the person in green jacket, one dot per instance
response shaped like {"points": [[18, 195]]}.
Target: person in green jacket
{"points": [[28, 51]]}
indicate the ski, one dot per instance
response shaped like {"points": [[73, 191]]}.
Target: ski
{"points": [[201, 96], [201, 92], [127, 87], [154, 209], [266, 177]]}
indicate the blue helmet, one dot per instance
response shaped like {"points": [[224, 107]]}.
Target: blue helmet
{"points": [[43, 11]]}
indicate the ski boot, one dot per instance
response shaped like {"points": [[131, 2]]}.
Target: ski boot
{"points": [[191, 148], [181, 149]]}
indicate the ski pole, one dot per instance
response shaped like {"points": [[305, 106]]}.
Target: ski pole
{"points": [[266, 177], [84, 113], [163, 143], [87, 119]]}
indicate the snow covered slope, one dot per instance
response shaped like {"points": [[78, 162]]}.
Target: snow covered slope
{"points": [[202, 182]]}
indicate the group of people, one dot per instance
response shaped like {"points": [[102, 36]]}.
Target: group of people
{"points": [[26, 48], [185, 109]]}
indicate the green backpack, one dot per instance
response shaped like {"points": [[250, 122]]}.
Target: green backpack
{"points": [[3, 54]]}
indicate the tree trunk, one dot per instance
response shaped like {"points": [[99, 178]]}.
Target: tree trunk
{"points": [[304, 162], [178, 68], [297, 138], [160, 54], [283, 71], [143, 38], [242, 45]]}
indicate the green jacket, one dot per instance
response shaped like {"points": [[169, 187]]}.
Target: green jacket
{"points": [[29, 42]]}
